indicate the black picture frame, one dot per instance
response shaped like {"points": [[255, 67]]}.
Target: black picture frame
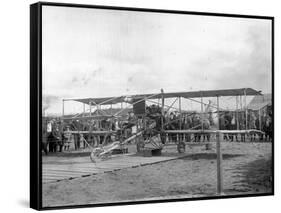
{"points": [[36, 101]]}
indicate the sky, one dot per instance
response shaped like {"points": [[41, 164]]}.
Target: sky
{"points": [[103, 53]]}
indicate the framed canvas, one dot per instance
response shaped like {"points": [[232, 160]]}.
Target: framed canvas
{"points": [[134, 105]]}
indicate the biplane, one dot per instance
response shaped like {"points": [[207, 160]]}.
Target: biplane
{"points": [[148, 124]]}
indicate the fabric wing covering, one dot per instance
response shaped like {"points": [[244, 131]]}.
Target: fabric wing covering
{"points": [[192, 94]]}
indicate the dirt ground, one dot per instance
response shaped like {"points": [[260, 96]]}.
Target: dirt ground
{"points": [[247, 169]]}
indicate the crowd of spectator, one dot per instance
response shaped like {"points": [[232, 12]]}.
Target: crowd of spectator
{"points": [[57, 137]]}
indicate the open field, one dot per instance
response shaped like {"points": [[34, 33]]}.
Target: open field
{"points": [[247, 169]]}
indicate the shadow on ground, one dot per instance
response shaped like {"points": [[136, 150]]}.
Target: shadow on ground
{"points": [[195, 156], [258, 175], [67, 154], [210, 156]]}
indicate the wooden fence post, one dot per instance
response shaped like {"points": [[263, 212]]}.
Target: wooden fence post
{"points": [[219, 165]]}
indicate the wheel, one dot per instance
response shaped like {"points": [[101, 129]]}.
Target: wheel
{"points": [[95, 155], [140, 146], [181, 147]]}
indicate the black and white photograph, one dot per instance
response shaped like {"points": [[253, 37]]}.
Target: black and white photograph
{"points": [[144, 105]]}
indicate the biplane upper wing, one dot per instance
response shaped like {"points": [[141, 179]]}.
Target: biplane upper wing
{"points": [[191, 94]]}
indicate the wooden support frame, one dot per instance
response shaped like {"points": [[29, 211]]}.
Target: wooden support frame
{"points": [[219, 155], [62, 120], [96, 132], [90, 108], [180, 112], [237, 114], [246, 109], [162, 109], [84, 109], [63, 108], [218, 106], [202, 112], [171, 106], [148, 98], [241, 108], [192, 131], [260, 126]]}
